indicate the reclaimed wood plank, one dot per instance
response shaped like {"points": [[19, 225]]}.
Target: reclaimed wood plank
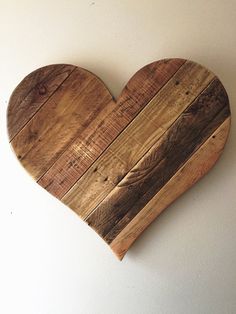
{"points": [[191, 172], [165, 157], [150, 124], [118, 164], [91, 143], [31, 94], [65, 115]]}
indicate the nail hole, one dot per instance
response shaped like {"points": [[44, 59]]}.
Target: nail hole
{"points": [[42, 90], [187, 93], [177, 83]]}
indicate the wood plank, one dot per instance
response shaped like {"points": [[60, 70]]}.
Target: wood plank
{"points": [[165, 157], [193, 170], [93, 140], [69, 111], [137, 138], [118, 164], [31, 94]]}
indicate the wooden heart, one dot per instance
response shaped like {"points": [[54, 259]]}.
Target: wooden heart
{"points": [[118, 164]]}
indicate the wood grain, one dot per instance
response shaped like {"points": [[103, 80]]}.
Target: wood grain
{"points": [[62, 118], [97, 136], [118, 164], [137, 138], [33, 92], [193, 170], [161, 162]]}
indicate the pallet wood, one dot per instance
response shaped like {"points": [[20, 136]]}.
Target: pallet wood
{"points": [[119, 164]]}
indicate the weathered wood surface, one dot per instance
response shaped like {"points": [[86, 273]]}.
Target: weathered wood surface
{"points": [[118, 164]]}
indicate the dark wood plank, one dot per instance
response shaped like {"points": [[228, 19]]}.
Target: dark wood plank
{"points": [[154, 170], [190, 173]]}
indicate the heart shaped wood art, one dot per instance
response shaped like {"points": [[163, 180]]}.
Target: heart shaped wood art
{"points": [[118, 164]]}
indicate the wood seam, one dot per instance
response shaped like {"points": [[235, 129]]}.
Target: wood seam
{"points": [[130, 224], [63, 152], [86, 217], [35, 145], [122, 131], [118, 163], [27, 94], [177, 169], [42, 103], [103, 226]]}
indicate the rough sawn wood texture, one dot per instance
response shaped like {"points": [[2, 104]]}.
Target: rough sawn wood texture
{"points": [[118, 164]]}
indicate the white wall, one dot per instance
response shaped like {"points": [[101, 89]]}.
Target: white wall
{"points": [[50, 261]]}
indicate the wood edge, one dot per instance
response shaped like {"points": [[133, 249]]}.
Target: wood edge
{"points": [[15, 90], [184, 60], [145, 67], [110, 103], [119, 255], [10, 137], [120, 250], [96, 228], [85, 217]]}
